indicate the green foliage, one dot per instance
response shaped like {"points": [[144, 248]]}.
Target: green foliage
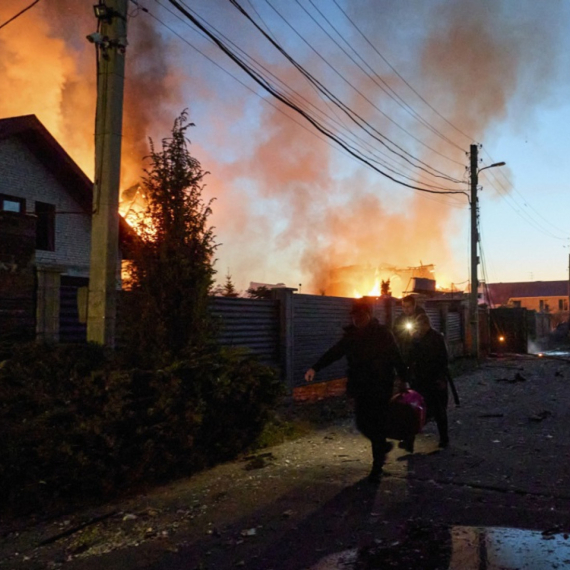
{"points": [[261, 292], [227, 289], [172, 261], [77, 429]]}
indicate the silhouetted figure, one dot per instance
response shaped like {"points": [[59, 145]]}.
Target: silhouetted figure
{"points": [[373, 361], [428, 367], [404, 325]]}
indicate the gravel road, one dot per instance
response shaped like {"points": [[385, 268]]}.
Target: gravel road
{"points": [[296, 505]]}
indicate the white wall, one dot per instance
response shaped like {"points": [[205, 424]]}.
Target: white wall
{"points": [[24, 176]]}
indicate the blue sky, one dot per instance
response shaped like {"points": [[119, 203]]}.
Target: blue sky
{"points": [[290, 205]]}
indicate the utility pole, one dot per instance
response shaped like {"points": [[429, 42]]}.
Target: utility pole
{"points": [[110, 41], [473, 297]]}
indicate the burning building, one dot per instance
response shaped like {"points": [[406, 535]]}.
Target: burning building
{"points": [[362, 280]]}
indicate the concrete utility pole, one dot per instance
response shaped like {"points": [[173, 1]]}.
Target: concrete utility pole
{"points": [[473, 296], [111, 42]]}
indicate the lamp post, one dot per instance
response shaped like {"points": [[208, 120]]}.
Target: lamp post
{"points": [[473, 297]]}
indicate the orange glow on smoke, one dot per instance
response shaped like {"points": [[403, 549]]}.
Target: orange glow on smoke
{"points": [[48, 69]]}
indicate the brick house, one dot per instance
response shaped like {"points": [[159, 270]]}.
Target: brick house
{"points": [[544, 297], [45, 234]]}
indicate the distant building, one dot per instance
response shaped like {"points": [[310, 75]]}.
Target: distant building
{"points": [[549, 297], [359, 280], [256, 285]]}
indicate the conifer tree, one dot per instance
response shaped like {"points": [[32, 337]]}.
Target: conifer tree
{"points": [[172, 261]]}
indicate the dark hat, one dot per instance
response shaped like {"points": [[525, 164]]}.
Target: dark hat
{"points": [[360, 306]]}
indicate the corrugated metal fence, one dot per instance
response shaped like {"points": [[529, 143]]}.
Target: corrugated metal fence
{"points": [[249, 323], [292, 331]]}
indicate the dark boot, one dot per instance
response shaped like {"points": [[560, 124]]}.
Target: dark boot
{"points": [[379, 451], [408, 444], [441, 422]]}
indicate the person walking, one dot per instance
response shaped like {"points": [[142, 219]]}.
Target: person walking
{"points": [[404, 328], [428, 373], [404, 325], [374, 364]]}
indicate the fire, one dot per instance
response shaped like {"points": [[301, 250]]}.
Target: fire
{"points": [[374, 292], [366, 280], [133, 203], [54, 74]]}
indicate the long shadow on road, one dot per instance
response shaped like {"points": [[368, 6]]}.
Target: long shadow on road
{"points": [[342, 522]]}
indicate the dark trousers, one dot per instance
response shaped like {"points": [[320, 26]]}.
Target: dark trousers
{"points": [[371, 411], [436, 404]]}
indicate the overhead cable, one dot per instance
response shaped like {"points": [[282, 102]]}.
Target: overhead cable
{"points": [[19, 14], [265, 100], [376, 78], [355, 117], [294, 107]]}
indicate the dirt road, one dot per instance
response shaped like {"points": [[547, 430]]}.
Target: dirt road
{"points": [[294, 506]]}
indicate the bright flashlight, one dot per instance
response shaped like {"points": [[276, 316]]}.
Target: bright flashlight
{"points": [[409, 326]]}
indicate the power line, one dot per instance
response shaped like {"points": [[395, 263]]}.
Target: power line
{"points": [[360, 141], [350, 113], [385, 86], [398, 74], [294, 107], [531, 222], [324, 139], [19, 14], [504, 193], [526, 216]]}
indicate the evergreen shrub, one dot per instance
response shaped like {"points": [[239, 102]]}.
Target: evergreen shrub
{"points": [[76, 429]]}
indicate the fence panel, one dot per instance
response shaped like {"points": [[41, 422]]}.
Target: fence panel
{"points": [[249, 323], [318, 324], [453, 328], [435, 317], [70, 328]]}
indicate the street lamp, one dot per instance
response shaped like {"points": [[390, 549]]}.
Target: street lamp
{"points": [[473, 297]]}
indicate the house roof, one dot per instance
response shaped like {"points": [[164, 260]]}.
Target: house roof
{"points": [[30, 130], [52, 155], [500, 293]]}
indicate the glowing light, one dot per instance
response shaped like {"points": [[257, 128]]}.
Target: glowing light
{"points": [[409, 326], [374, 292], [501, 339], [540, 355]]}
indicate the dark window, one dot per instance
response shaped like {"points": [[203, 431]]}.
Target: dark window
{"points": [[12, 204], [516, 304], [560, 304], [45, 226]]}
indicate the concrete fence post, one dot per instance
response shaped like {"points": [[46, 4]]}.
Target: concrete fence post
{"points": [[286, 334], [443, 311]]}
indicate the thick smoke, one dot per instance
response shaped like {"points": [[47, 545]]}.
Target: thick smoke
{"points": [[290, 207], [48, 62]]}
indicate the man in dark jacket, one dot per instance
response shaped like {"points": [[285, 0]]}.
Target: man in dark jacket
{"points": [[404, 325], [428, 366], [373, 361]]}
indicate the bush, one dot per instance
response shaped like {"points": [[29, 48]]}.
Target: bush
{"points": [[78, 429]]}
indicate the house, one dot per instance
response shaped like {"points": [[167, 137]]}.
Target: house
{"points": [[45, 234], [547, 297]]}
